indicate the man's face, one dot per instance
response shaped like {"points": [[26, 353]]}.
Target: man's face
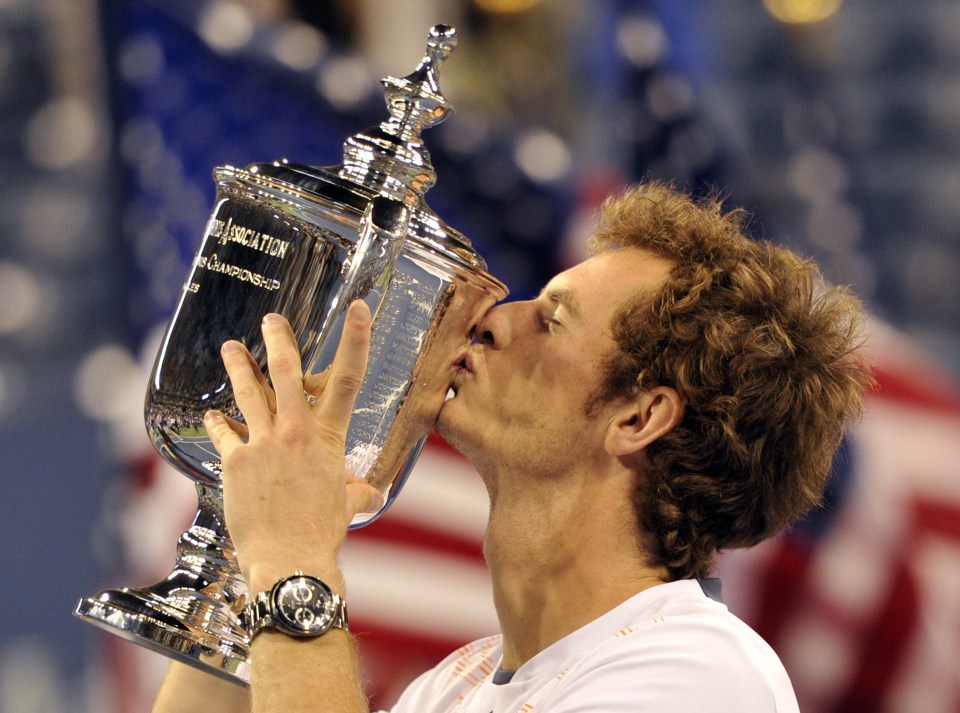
{"points": [[522, 388]]}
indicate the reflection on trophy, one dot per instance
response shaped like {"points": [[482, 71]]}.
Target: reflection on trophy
{"points": [[305, 242]]}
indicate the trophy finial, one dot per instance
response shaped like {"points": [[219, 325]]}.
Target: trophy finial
{"points": [[415, 101], [391, 158], [441, 41]]}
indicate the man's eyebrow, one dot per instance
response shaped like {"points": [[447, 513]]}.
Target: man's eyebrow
{"points": [[565, 298]]}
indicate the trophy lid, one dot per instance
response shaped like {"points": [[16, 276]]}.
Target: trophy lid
{"points": [[391, 159]]}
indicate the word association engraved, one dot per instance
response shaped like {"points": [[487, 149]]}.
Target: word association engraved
{"points": [[225, 231]]}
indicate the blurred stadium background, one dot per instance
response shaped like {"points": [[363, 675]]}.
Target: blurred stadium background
{"points": [[833, 121]]}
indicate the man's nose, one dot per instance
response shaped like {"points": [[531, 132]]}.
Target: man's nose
{"points": [[493, 329]]}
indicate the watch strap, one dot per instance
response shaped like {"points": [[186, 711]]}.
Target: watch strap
{"points": [[256, 615]]}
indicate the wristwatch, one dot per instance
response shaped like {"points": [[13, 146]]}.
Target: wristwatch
{"points": [[299, 605]]}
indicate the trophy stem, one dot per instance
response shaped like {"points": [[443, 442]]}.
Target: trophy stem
{"points": [[193, 614]]}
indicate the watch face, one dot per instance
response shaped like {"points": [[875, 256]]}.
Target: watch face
{"points": [[303, 605]]}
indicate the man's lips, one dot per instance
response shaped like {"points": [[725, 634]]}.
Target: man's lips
{"points": [[466, 363]]}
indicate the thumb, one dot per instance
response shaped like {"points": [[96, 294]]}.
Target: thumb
{"points": [[363, 498]]}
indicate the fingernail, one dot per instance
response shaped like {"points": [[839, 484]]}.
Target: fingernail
{"points": [[271, 318], [210, 417], [376, 503], [231, 347], [356, 311]]}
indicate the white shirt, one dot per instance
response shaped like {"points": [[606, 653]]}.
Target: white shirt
{"points": [[667, 649]]}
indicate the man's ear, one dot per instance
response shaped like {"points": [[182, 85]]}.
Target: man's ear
{"points": [[642, 420]]}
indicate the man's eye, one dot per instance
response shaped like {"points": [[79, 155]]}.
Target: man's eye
{"points": [[549, 323]]}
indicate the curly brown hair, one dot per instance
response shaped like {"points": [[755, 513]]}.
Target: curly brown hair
{"points": [[766, 359]]}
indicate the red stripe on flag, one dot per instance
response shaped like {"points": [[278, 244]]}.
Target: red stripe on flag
{"points": [[422, 537], [782, 587], [936, 517], [941, 396], [882, 646]]}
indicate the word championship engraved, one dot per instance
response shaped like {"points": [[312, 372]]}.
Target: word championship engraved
{"points": [[226, 232]]}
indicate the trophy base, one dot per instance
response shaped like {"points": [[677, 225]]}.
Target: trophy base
{"points": [[146, 619]]}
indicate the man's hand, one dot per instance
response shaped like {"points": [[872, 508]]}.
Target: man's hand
{"points": [[287, 501], [287, 496]]}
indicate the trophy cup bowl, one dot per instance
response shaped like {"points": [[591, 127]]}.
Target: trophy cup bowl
{"points": [[305, 242]]}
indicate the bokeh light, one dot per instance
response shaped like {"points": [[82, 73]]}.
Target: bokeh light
{"points": [[800, 12], [543, 155], [641, 39], [506, 6], [345, 81], [62, 133], [23, 298], [299, 46], [107, 380], [226, 26]]}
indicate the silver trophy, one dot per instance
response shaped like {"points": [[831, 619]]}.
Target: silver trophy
{"points": [[305, 242]]}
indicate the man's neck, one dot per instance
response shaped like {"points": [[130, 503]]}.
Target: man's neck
{"points": [[559, 560]]}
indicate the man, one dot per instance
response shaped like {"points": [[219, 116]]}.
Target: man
{"points": [[679, 393]]}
